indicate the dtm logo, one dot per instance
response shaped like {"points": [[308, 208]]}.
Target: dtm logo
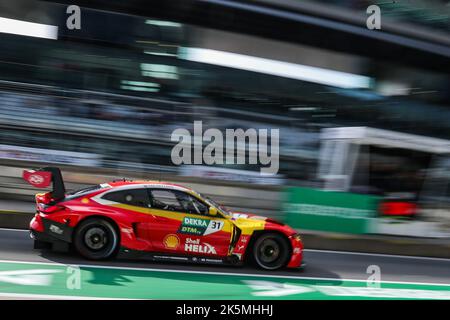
{"points": [[194, 245], [200, 227]]}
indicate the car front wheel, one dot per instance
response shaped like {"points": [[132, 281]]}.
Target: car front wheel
{"points": [[271, 251]]}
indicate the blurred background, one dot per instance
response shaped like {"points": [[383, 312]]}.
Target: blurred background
{"points": [[364, 115]]}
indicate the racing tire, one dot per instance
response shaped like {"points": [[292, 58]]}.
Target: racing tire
{"points": [[96, 239], [270, 251]]}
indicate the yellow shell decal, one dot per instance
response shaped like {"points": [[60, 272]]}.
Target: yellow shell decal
{"points": [[171, 241]]}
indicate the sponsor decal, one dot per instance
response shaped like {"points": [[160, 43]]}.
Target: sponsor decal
{"points": [[56, 229], [214, 226], [240, 246], [239, 216], [211, 260], [38, 179], [194, 245], [171, 241], [199, 227]]}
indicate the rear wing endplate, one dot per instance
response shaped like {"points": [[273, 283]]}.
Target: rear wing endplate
{"points": [[41, 178]]}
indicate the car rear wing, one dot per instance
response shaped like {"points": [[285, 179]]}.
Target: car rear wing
{"points": [[43, 177]]}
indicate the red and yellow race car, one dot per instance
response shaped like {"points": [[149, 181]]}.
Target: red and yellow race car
{"points": [[162, 221]]}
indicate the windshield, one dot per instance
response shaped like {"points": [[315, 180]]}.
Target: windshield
{"points": [[221, 208]]}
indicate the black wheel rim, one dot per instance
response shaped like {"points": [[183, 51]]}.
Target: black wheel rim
{"points": [[269, 251], [96, 238]]}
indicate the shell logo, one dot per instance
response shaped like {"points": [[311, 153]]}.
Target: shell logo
{"points": [[171, 241]]}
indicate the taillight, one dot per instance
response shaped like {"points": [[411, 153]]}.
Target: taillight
{"points": [[45, 208], [398, 208], [44, 198]]}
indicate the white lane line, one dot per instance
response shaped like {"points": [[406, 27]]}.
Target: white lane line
{"points": [[17, 230], [377, 255], [51, 296], [213, 272]]}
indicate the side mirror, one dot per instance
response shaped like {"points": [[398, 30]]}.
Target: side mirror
{"points": [[212, 211]]}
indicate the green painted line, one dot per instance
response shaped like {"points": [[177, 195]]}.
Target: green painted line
{"points": [[16, 212], [40, 280]]}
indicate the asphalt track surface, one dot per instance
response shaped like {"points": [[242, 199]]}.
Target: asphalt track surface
{"points": [[16, 245]]}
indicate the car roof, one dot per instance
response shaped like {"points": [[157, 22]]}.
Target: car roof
{"points": [[125, 184]]}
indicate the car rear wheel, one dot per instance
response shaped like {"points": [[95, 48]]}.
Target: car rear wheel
{"points": [[271, 251], [96, 239]]}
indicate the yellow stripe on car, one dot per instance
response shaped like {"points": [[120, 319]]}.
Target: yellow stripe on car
{"points": [[172, 214]]}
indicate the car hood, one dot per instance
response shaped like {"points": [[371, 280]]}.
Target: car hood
{"points": [[249, 223], [248, 216]]}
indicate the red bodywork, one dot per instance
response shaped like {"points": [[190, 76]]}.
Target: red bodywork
{"points": [[159, 231]]}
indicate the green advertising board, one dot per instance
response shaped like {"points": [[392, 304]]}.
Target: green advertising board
{"points": [[313, 209]]}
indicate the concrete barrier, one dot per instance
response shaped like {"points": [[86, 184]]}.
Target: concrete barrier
{"points": [[15, 220]]}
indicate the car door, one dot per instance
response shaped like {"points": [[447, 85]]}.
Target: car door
{"points": [[181, 224], [135, 203]]}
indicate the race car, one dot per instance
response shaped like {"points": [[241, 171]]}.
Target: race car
{"points": [[158, 220]]}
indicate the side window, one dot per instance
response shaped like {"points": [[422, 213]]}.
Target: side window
{"points": [[133, 197], [173, 200], [165, 200], [192, 205]]}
